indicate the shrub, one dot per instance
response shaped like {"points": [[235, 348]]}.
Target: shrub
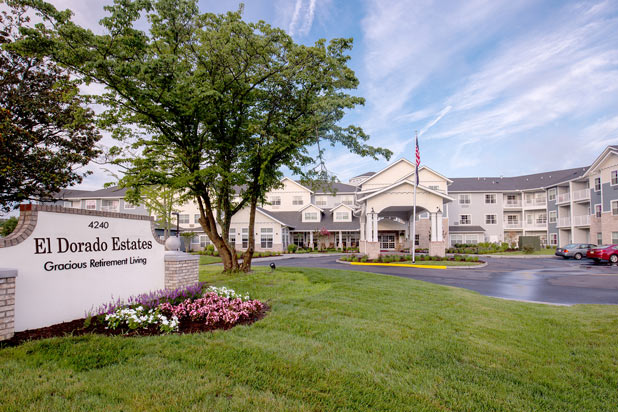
{"points": [[210, 249], [364, 258], [528, 249], [292, 248]]}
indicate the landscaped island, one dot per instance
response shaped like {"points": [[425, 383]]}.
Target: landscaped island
{"points": [[336, 340]]}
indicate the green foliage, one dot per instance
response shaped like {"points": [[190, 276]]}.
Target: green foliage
{"points": [[292, 248], [47, 131], [186, 237], [528, 249], [8, 226]]}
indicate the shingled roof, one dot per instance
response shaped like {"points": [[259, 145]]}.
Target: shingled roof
{"points": [[525, 182], [294, 220]]}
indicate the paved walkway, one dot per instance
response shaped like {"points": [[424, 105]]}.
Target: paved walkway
{"points": [[551, 280]]}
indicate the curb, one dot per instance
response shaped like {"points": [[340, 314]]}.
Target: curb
{"points": [[518, 256], [287, 256], [410, 265]]}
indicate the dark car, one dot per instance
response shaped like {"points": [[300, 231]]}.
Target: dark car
{"points": [[574, 250], [605, 252]]}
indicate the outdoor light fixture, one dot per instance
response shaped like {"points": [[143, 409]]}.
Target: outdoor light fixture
{"points": [[272, 266]]}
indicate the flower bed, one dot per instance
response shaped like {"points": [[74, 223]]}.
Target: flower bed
{"points": [[408, 258], [197, 308]]}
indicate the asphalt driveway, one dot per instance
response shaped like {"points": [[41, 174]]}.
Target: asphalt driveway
{"points": [[548, 280]]}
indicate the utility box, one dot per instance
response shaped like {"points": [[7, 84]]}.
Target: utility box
{"points": [[531, 241]]}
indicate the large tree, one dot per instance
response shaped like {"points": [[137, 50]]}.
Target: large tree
{"points": [[46, 129], [221, 104]]}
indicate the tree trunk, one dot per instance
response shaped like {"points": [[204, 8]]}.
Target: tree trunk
{"points": [[209, 224], [248, 255]]}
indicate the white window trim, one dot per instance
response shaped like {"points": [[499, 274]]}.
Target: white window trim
{"points": [[551, 237], [469, 220], [129, 206], [345, 219], [551, 191], [87, 201], [553, 213], [495, 196], [610, 178], [595, 184], [305, 219], [611, 207], [595, 209], [461, 195], [495, 219]]}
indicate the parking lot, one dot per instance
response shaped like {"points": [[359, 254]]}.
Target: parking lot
{"points": [[548, 280]]}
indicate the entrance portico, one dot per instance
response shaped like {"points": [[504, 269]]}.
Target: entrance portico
{"points": [[389, 210]]}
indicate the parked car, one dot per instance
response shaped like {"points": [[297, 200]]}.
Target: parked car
{"points": [[574, 250], [605, 252]]}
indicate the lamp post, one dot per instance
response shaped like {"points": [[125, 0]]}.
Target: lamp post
{"points": [[372, 217], [177, 223]]}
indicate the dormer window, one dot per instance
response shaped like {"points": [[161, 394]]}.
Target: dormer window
{"points": [[342, 216], [321, 200], [311, 216]]}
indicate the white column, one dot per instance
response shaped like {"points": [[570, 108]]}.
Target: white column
{"points": [[311, 239], [439, 227], [369, 229], [340, 240], [363, 219], [434, 227], [375, 227]]}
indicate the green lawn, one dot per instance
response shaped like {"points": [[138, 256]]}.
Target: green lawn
{"points": [[337, 340], [207, 260]]}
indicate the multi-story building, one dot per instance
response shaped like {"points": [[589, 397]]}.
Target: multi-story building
{"points": [[374, 210]]}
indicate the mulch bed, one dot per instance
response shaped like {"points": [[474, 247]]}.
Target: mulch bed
{"points": [[76, 328]]}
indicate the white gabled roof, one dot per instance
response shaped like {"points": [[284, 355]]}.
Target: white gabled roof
{"points": [[607, 152], [403, 159], [341, 205], [426, 189], [265, 213], [431, 170], [297, 184], [309, 205]]}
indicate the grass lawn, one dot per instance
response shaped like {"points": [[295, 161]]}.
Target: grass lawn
{"points": [[337, 340], [207, 259]]}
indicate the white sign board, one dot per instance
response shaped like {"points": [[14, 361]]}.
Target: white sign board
{"points": [[71, 263]]}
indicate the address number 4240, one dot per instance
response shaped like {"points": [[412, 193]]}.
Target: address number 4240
{"points": [[98, 225]]}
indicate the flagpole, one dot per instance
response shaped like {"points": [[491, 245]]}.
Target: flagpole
{"points": [[414, 207]]}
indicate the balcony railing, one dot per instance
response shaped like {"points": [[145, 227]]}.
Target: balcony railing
{"points": [[563, 198], [512, 203], [564, 222], [583, 194], [583, 220], [535, 202], [109, 208], [516, 225], [536, 225]]}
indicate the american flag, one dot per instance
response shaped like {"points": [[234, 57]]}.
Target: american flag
{"points": [[418, 159]]}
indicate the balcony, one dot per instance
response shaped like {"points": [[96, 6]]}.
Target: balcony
{"points": [[535, 203], [513, 226], [580, 195], [563, 198], [583, 220], [564, 222], [536, 226], [512, 204]]}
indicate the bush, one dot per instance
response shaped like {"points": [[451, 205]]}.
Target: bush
{"points": [[364, 258], [528, 249], [215, 253], [292, 248]]}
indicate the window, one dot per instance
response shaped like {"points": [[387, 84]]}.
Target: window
{"points": [[342, 216], [387, 241], [614, 207], [551, 194], [511, 200], [541, 219], [464, 219], [490, 219], [597, 184], [472, 239], [183, 219], [321, 200], [599, 238], [347, 200], [204, 241], [598, 210], [108, 205], [232, 236], [297, 200], [68, 204], [553, 239], [91, 204], [195, 240], [196, 218], [434, 187], [456, 239], [614, 178], [245, 237], [129, 206], [490, 198], [275, 201], [512, 219], [553, 216], [464, 199], [266, 241], [424, 215], [417, 240], [311, 216], [614, 237]]}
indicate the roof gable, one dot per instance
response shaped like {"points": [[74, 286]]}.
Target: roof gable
{"points": [[397, 184], [389, 167], [296, 183], [609, 150]]}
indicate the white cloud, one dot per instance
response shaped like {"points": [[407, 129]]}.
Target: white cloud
{"points": [[302, 17]]}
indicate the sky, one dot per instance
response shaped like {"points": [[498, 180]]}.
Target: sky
{"points": [[493, 87]]}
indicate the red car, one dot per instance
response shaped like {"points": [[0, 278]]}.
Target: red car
{"points": [[609, 253]]}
